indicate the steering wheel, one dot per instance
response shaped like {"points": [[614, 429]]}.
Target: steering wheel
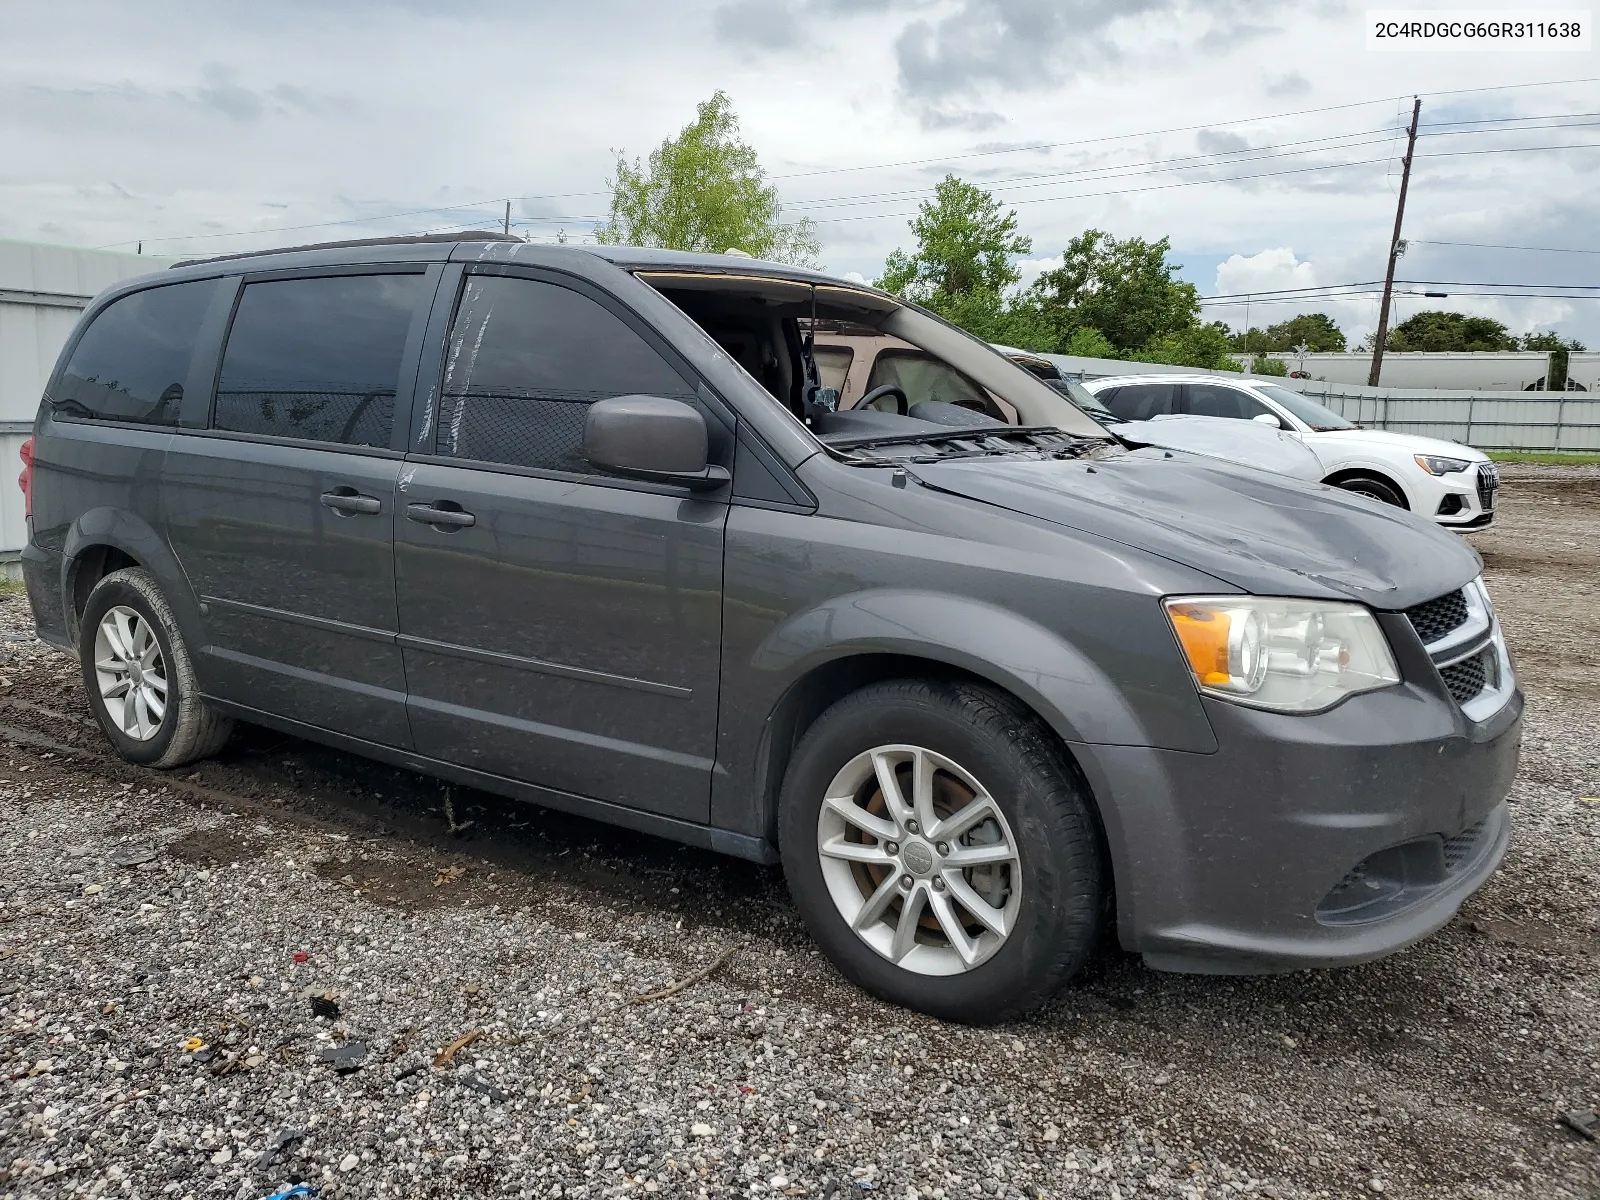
{"points": [[902, 405]]}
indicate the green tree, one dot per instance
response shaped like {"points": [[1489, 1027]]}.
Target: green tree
{"points": [[1088, 342], [1440, 332], [1262, 365], [1195, 346], [1126, 289], [963, 266], [704, 190], [1315, 331]]}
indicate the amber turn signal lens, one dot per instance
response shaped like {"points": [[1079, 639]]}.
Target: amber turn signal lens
{"points": [[1203, 633]]}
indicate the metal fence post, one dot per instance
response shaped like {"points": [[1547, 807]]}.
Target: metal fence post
{"points": [[1561, 412], [1472, 400]]}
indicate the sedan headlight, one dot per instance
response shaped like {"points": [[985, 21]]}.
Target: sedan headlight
{"points": [[1294, 656], [1434, 465]]}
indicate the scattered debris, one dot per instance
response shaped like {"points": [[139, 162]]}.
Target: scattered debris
{"points": [[300, 956], [456, 828], [193, 1044], [344, 1059], [325, 1006], [447, 1055], [479, 1084], [1583, 1121], [294, 1193], [132, 856], [672, 989], [448, 875], [280, 1142]]}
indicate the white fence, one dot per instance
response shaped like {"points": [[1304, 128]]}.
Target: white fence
{"points": [[1553, 421]]}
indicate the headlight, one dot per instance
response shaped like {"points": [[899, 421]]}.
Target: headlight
{"points": [[1434, 465], [1288, 655]]}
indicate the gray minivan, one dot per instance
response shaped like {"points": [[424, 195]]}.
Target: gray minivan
{"points": [[584, 526]]}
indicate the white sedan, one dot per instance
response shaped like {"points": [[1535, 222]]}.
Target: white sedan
{"points": [[1452, 483]]}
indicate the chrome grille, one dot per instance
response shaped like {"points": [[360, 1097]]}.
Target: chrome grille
{"points": [[1433, 619]]}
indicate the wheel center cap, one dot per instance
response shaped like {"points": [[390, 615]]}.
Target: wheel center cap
{"points": [[135, 673], [917, 857]]}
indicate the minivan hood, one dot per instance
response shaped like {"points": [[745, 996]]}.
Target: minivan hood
{"points": [[1262, 533]]}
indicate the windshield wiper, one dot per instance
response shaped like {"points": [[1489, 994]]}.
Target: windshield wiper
{"points": [[954, 434]]}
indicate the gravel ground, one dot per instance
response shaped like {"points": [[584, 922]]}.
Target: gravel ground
{"points": [[159, 1036]]}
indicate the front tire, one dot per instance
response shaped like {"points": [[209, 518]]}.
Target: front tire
{"points": [[139, 677], [941, 850], [1377, 489]]}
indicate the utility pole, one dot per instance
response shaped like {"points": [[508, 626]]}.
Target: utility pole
{"points": [[1394, 248], [508, 216]]}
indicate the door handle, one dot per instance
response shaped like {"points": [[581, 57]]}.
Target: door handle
{"points": [[350, 501], [430, 514]]}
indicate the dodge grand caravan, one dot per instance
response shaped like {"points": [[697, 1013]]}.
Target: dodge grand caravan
{"points": [[586, 526]]}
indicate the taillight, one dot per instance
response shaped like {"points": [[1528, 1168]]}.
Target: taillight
{"points": [[25, 480]]}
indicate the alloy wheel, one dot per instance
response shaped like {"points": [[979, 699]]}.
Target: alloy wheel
{"points": [[131, 673], [919, 859]]}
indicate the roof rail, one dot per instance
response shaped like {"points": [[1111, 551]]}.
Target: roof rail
{"points": [[471, 235]]}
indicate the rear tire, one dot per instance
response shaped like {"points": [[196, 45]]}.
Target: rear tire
{"points": [[986, 942], [1377, 489], [139, 677]]}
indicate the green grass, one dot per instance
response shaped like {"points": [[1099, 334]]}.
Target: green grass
{"points": [[1544, 457], [11, 587]]}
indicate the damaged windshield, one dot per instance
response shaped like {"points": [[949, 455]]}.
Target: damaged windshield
{"points": [[872, 378]]}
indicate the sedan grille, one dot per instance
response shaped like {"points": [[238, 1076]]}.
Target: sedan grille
{"points": [[1488, 485], [1433, 619]]}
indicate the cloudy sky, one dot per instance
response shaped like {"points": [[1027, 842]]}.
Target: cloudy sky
{"points": [[1263, 138]]}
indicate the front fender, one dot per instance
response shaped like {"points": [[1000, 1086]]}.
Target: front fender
{"points": [[1334, 463], [131, 534], [1078, 700]]}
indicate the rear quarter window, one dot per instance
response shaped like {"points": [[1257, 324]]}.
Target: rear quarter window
{"points": [[132, 362]]}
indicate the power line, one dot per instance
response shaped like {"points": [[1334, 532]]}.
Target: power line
{"points": [[1117, 137], [1231, 179], [1499, 246], [871, 166], [1159, 166]]}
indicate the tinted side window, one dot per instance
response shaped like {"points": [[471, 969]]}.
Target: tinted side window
{"points": [[131, 363], [525, 361], [1141, 401], [317, 358], [1212, 400]]}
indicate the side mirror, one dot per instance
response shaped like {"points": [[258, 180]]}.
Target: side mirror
{"points": [[651, 438], [1268, 419]]}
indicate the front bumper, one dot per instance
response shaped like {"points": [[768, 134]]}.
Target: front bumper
{"points": [[1463, 500], [1306, 841]]}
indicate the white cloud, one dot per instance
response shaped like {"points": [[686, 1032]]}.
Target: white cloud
{"points": [[1274, 270], [1032, 268]]}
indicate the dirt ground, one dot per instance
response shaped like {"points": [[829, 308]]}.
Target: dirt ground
{"points": [[1442, 1071]]}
